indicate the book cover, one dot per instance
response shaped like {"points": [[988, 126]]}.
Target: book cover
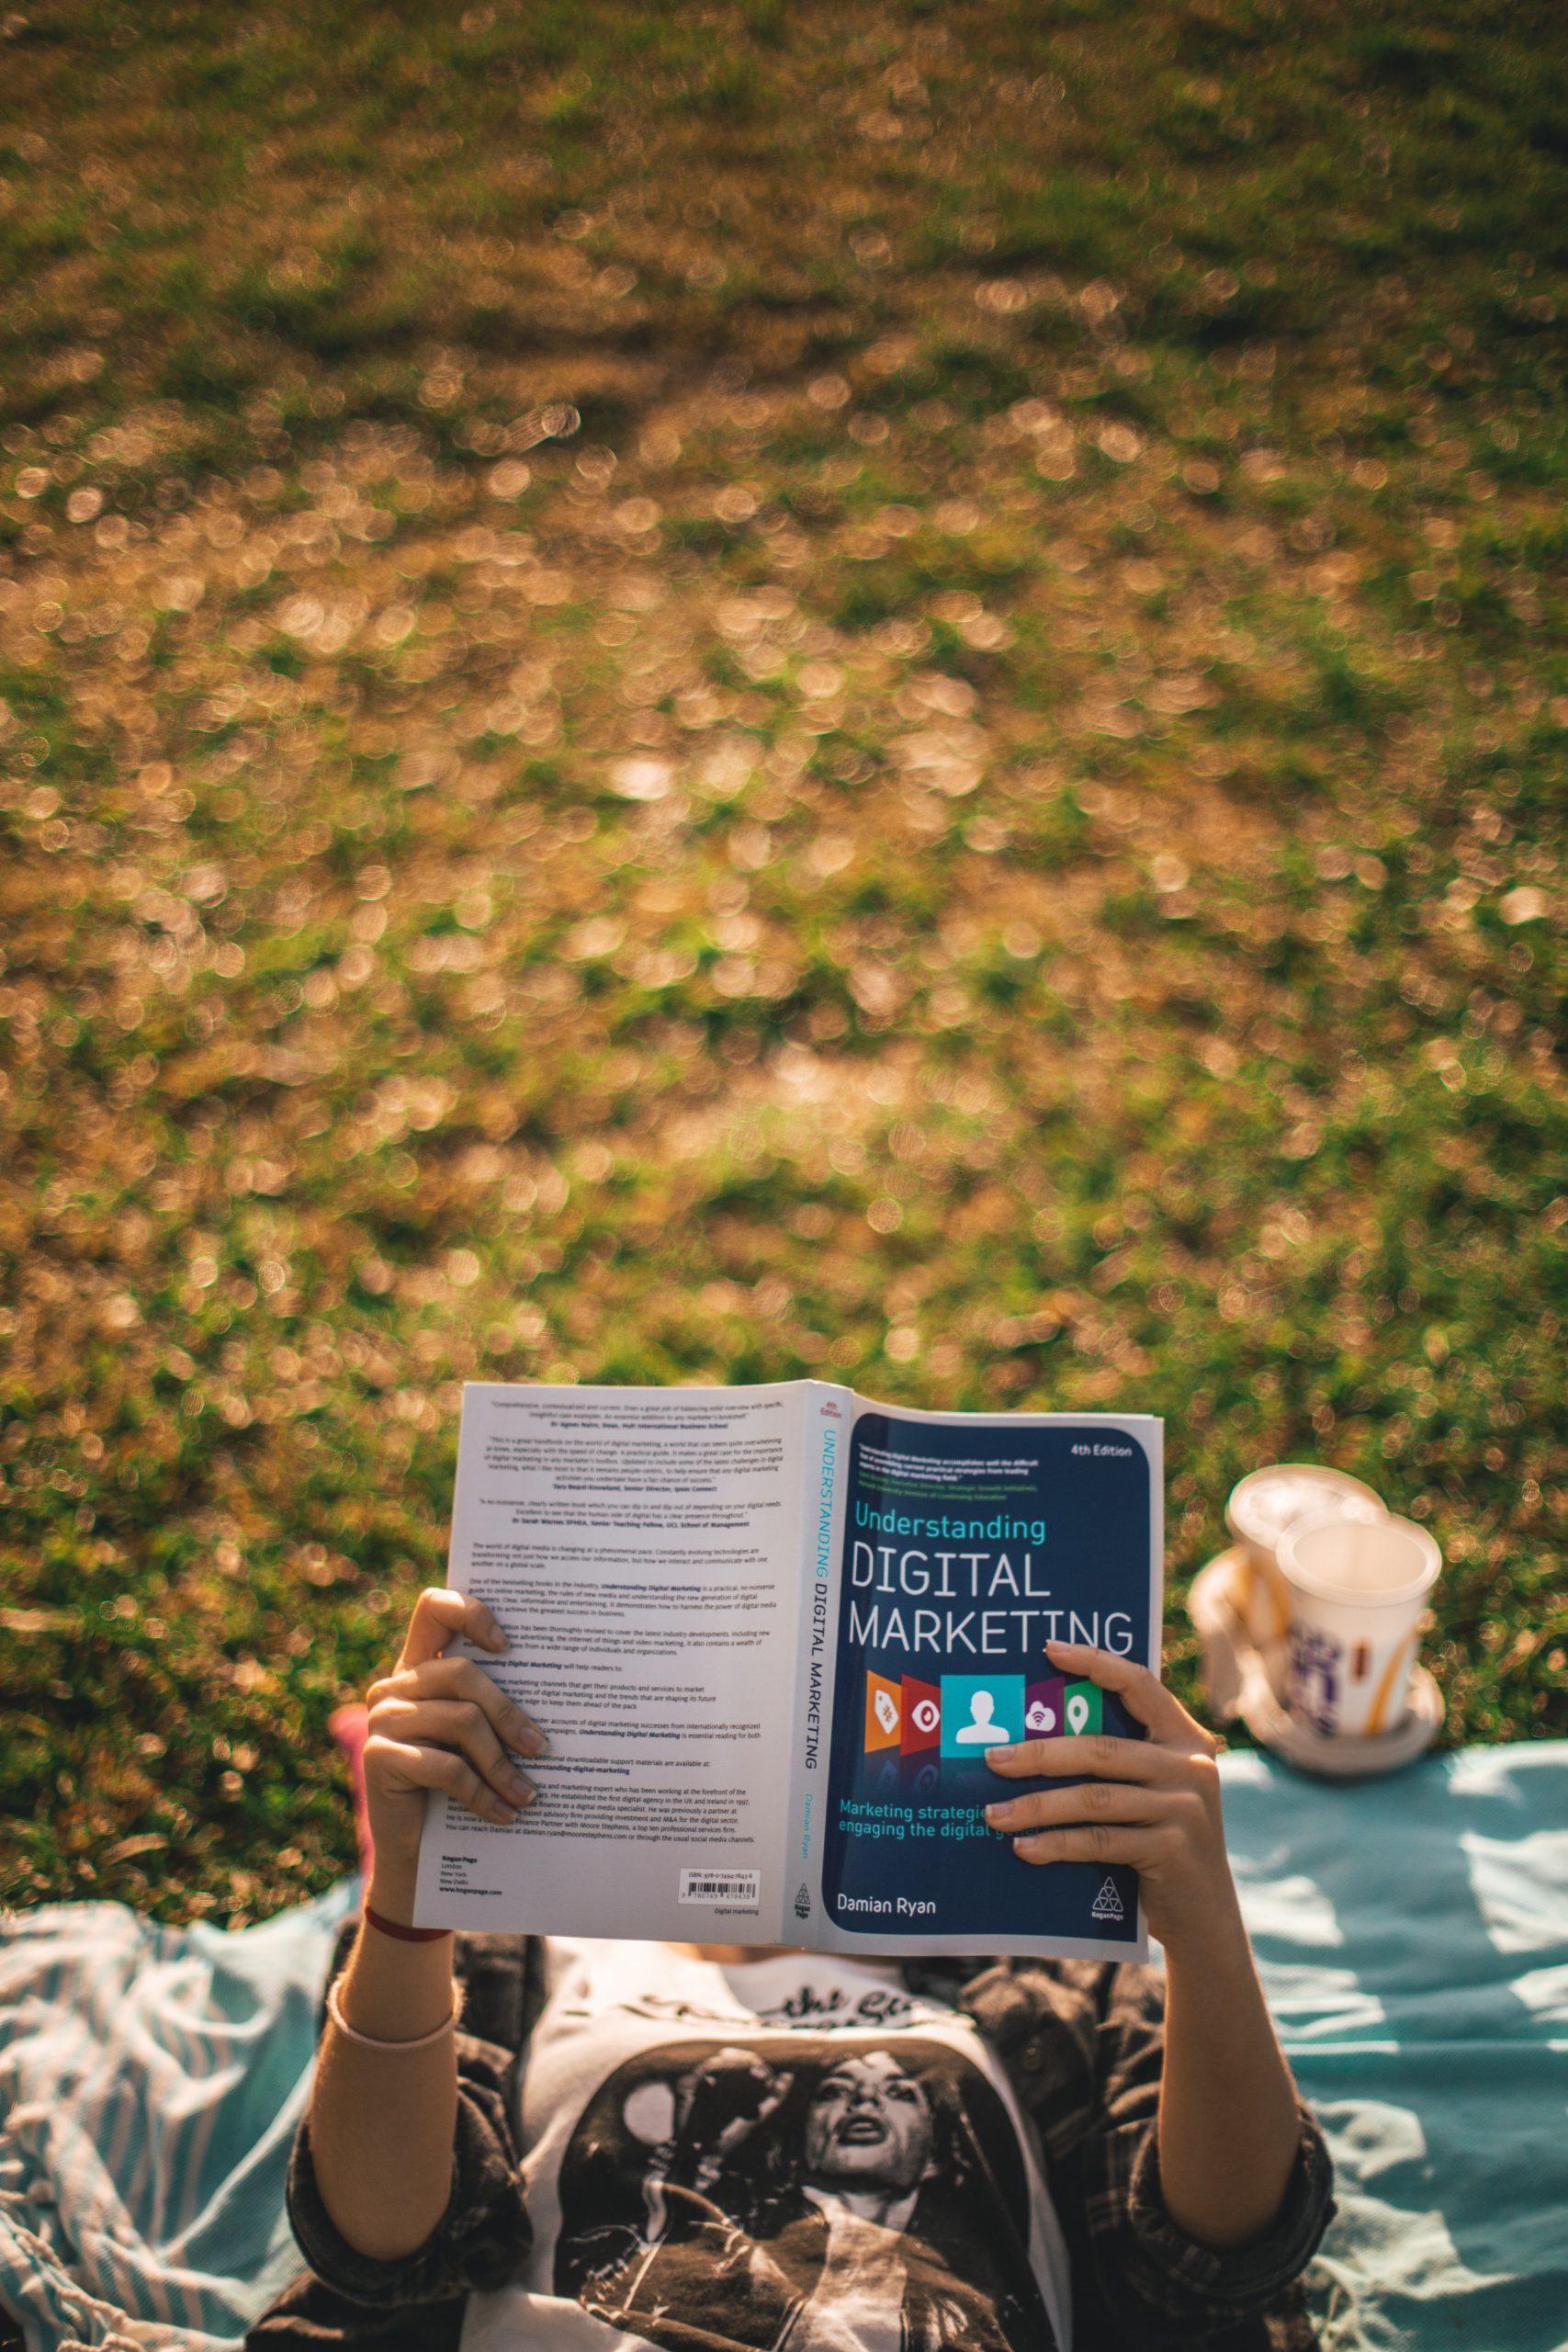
{"points": [[966, 1546], [771, 1633]]}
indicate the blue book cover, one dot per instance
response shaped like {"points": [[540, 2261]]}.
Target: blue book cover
{"points": [[967, 1542]]}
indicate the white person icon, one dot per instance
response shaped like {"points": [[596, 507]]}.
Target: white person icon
{"points": [[982, 1731], [981, 1711]]}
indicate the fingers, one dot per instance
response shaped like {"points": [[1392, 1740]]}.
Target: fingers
{"points": [[457, 1724], [1089, 1842], [418, 1767], [450, 1706], [1145, 1696], [439, 1616], [1090, 1801], [463, 1678], [1097, 1751]]}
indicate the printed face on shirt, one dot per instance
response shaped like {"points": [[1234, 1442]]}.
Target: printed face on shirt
{"points": [[699, 2190], [869, 2126]]}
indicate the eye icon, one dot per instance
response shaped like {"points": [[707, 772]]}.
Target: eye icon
{"points": [[926, 1717]]}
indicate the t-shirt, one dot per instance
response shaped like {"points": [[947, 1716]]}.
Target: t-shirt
{"points": [[794, 2152]]}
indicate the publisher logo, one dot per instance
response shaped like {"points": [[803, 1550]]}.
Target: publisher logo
{"points": [[1107, 1903], [803, 1902]]}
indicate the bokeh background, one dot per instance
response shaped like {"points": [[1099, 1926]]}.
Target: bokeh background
{"points": [[696, 693]]}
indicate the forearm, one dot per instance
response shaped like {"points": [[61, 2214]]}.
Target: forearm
{"points": [[1228, 2123], [383, 2121]]}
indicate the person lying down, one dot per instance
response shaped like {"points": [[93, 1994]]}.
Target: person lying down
{"points": [[515, 2141]]}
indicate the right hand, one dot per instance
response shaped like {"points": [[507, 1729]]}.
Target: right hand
{"points": [[440, 1723]]}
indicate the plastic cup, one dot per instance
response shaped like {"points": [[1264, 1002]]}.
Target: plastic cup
{"points": [[1260, 1508], [1357, 1591]]}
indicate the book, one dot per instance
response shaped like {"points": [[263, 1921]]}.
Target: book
{"points": [[770, 1633]]}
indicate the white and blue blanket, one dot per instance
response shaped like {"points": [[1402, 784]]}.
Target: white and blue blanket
{"points": [[1413, 1936], [150, 2079]]}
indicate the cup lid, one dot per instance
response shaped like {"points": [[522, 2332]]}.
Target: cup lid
{"points": [[1264, 1503], [1353, 1585]]}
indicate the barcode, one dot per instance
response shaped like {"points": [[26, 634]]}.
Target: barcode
{"points": [[743, 1887]]}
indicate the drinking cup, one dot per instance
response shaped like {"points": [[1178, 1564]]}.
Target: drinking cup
{"points": [[1260, 1508], [1357, 1590]]}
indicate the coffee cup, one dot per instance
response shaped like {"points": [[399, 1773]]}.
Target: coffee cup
{"points": [[1355, 1590], [1261, 1508]]}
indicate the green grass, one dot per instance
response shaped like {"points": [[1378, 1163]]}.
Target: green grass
{"points": [[1073, 497]]}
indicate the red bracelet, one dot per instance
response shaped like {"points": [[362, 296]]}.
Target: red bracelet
{"points": [[404, 1935]]}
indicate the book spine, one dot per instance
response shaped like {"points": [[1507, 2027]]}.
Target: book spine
{"points": [[829, 1413]]}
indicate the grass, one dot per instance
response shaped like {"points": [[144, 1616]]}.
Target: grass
{"points": [[713, 694]]}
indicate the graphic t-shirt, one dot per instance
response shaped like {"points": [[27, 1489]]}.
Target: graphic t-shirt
{"points": [[792, 2153]]}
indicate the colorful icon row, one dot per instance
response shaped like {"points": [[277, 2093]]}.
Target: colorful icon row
{"points": [[965, 1713]]}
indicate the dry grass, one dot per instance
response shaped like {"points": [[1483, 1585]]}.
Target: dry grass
{"points": [[704, 695]]}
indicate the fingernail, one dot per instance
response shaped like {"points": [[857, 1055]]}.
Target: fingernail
{"points": [[1002, 1754], [530, 1739], [505, 1815], [521, 1787], [998, 1815], [497, 1642]]}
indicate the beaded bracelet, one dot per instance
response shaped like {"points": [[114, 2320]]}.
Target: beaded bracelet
{"points": [[375, 2041]]}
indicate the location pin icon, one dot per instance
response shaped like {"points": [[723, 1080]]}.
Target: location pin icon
{"points": [[1078, 1712]]}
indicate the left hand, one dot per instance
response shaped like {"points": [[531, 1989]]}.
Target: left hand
{"points": [[1153, 1803]]}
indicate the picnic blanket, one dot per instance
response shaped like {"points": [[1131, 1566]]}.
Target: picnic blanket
{"points": [[1413, 1935], [150, 2079]]}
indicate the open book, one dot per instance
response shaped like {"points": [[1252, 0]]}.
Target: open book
{"points": [[770, 1633]]}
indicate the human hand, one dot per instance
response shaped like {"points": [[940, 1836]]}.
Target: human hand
{"points": [[1153, 1803], [440, 1723], [724, 2101]]}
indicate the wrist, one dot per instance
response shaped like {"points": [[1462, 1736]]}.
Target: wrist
{"points": [[390, 1892], [1211, 1935], [393, 1989], [395, 1932]]}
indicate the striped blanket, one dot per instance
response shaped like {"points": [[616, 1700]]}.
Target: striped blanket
{"points": [[150, 2079]]}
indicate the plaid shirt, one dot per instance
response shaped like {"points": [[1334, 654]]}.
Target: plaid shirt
{"points": [[1081, 2042]]}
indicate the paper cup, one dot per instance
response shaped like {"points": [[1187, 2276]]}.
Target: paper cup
{"points": [[1260, 1508], [1357, 1591]]}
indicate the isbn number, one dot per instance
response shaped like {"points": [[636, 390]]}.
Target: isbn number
{"points": [[743, 1887]]}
